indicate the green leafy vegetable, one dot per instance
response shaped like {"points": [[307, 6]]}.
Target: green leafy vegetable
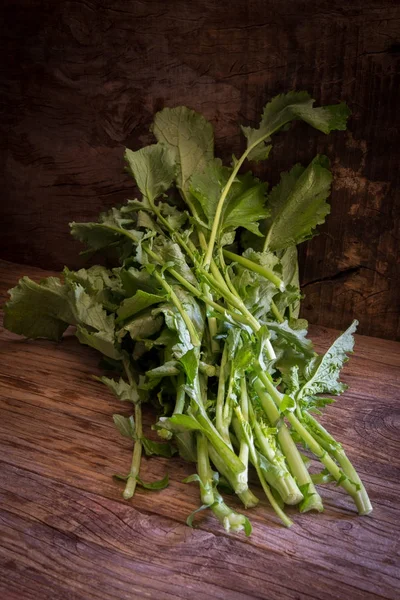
{"points": [[204, 325]]}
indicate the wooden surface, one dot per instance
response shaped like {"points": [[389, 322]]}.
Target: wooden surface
{"points": [[82, 79], [66, 533]]}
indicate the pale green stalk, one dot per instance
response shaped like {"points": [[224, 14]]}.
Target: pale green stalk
{"points": [[131, 482]]}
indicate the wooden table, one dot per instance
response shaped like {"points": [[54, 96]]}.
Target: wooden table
{"points": [[66, 532]]}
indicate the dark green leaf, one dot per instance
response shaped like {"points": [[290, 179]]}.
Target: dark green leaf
{"points": [[137, 303], [157, 448]]}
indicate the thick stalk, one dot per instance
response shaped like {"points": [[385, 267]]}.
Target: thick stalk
{"points": [[246, 433], [285, 483], [312, 444], [244, 407], [334, 448], [246, 495], [290, 450], [229, 519]]}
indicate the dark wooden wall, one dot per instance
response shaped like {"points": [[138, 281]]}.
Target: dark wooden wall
{"points": [[81, 80]]}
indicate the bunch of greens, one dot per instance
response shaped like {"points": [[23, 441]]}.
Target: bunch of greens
{"points": [[200, 314]]}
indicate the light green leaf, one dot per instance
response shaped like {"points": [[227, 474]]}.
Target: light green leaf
{"points": [[287, 404], [171, 253], [100, 340], [189, 137], [294, 337], [142, 327], [168, 369], [160, 484], [179, 423], [190, 364], [39, 310], [121, 388], [153, 168], [298, 204], [88, 311], [290, 275], [322, 372], [290, 107], [244, 205], [125, 425]]}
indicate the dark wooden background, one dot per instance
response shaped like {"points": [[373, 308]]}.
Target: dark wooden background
{"points": [[81, 80]]}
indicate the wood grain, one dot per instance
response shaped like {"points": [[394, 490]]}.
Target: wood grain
{"points": [[82, 79], [66, 533]]}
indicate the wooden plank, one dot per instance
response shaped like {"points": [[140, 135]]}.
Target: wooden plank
{"points": [[64, 526], [93, 74]]}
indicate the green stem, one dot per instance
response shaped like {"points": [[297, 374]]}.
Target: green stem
{"points": [[137, 450], [289, 448], [276, 313], [244, 407], [180, 395], [221, 392], [334, 448], [312, 444], [204, 470], [246, 432], [194, 338], [252, 266], [280, 477]]}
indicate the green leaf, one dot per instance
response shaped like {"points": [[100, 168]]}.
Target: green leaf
{"points": [[298, 204], [113, 230], [179, 423], [134, 279], [160, 484], [157, 448], [290, 276], [171, 253], [189, 520], [294, 337], [322, 372], [38, 310], [190, 364], [186, 444], [290, 107], [153, 168], [125, 425], [121, 388], [287, 404], [88, 311], [100, 340], [142, 327], [190, 139], [168, 369], [244, 205], [141, 300], [256, 291]]}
